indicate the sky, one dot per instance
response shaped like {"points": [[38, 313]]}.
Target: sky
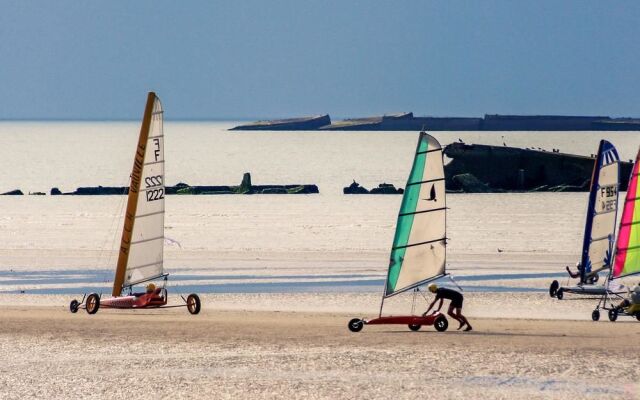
{"points": [[252, 59]]}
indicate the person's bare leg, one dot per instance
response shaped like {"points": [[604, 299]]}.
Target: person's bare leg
{"points": [[464, 319], [454, 316]]}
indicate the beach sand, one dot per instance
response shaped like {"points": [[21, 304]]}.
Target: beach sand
{"points": [[239, 347]]}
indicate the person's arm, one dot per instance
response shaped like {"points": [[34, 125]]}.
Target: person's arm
{"points": [[440, 305], [430, 305]]}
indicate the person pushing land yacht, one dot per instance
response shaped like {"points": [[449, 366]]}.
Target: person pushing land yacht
{"points": [[455, 307]]}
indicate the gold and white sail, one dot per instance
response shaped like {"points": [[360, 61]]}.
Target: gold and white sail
{"points": [[141, 249]]}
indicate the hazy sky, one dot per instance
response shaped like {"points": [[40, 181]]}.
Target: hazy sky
{"points": [[275, 58]]}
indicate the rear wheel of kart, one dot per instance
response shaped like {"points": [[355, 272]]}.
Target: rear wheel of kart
{"points": [[638, 316], [73, 306], [553, 288], [193, 304], [356, 325], [613, 315], [595, 315], [441, 323], [415, 327], [93, 303], [560, 294]]}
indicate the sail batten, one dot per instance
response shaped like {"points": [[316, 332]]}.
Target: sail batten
{"points": [[418, 251]]}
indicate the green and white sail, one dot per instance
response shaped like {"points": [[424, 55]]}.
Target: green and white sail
{"points": [[418, 254]]}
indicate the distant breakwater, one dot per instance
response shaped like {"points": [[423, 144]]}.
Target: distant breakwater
{"points": [[245, 187], [408, 122]]}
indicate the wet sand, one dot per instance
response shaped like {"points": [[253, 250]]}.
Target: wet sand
{"points": [[51, 353]]}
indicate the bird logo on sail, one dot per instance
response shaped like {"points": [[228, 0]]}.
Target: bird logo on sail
{"points": [[432, 194]]}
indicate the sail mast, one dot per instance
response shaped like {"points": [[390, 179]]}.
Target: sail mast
{"points": [[132, 201]]}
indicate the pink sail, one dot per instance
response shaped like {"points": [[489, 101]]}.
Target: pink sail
{"points": [[627, 258]]}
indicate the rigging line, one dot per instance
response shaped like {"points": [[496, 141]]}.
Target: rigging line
{"points": [[418, 244], [427, 181], [156, 136], [422, 212]]}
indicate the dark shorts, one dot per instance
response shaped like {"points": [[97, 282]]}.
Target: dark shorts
{"points": [[457, 302]]}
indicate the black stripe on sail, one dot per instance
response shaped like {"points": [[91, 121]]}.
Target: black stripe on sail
{"points": [[428, 151], [629, 223], [150, 214], [599, 239], [155, 162], [419, 244], [147, 240], [415, 285], [628, 248], [421, 212], [428, 181], [144, 265], [604, 212], [632, 199]]}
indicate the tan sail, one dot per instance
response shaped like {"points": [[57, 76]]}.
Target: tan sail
{"points": [[140, 257]]}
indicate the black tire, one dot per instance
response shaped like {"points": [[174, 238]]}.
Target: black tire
{"points": [[553, 288], [560, 294], [193, 304], [92, 304], [415, 327], [356, 325], [73, 306], [441, 323], [595, 315], [613, 315], [638, 316]]}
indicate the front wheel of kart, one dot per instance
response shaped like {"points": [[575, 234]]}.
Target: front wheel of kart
{"points": [[560, 294], [553, 288], [613, 315], [93, 303], [193, 304], [595, 315], [73, 306], [441, 323], [356, 325], [415, 327]]}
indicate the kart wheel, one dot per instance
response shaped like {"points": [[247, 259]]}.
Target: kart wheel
{"points": [[441, 323], [560, 294], [595, 315], [73, 306], [356, 325], [638, 316], [613, 315], [415, 327], [93, 303], [553, 288], [193, 304]]}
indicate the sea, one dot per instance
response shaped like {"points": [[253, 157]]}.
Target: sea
{"points": [[270, 243]]}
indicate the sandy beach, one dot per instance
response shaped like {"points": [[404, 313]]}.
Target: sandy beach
{"points": [[272, 354]]}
